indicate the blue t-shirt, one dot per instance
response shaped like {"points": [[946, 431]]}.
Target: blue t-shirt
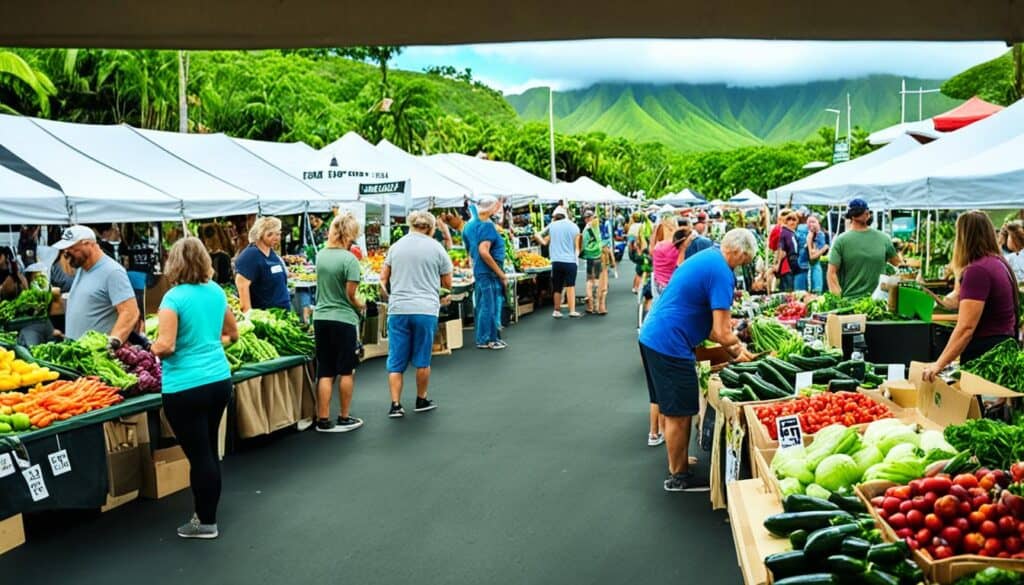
{"points": [[562, 245], [477, 232], [804, 261], [268, 277], [198, 356], [699, 244], [681, 317]]}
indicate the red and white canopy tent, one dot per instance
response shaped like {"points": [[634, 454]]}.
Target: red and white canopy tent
{"points": [[966, 113]]}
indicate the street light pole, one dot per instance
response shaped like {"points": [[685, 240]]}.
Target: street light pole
{"points": [[551, 129], [849, 134], [837, 113]]}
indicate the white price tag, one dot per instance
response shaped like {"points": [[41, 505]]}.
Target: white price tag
{"points": [[59, 462], [896, 372], [803, 380], [36, 486], [733, 458], [789, 431], [6, 465]]}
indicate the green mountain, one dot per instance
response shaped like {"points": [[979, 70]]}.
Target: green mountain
{"points": [[716, 116]]}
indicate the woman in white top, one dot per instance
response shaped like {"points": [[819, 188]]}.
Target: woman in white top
{"points": [[1013, 232]]}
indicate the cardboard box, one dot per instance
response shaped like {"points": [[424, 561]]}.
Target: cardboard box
{"points": [[942, 403], [717, 355], [12, 533], [749, 505], [123, 438], [838, 325], [118, 501], [902, 392], [166, 472], [946, 571], [974, 384]]}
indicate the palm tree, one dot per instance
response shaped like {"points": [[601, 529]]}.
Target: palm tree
{"points": [[13, 67]]}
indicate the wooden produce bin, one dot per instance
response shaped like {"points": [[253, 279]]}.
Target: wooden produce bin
{"points": [[749, 505], [12, 533]]}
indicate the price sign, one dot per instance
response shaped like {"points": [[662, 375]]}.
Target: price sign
{"points": [[790, 433], [803, 380], [733, 458], [59, 462], [6, 465], [36, 486], [896, 372]]}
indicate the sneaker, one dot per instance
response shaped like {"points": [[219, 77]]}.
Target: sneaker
{"points": [[194, 529], [348, 423], [483, 346], [396, 411], [424, 404], [499, 344], [557, 314], [686, 482], [575, 315], [326, 425], [655, 440]]}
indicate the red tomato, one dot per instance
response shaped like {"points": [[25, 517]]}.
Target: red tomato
{"points": [[921, 504], [898, 520], [904, 533], [877, 501], [932, 522], [1001, 477], [943, 552], [952, 535], [891, 505], [1012, 544], [978, 501], [960, 492], [1017, 471], [989, 511], [930, 498], [911, 543], [989, 529], [1019, 555], [947, 507], [915, 487], [1001, 510], [966, 480], [988, 482], [939, 485], [962, 524], [915, 519], [923, 536], [981, 473], [993, 546], [1007, 526], [1003, 555], [964, 508], [976, 518], [973, 543]]}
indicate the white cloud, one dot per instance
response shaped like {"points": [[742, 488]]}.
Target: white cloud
{"points": [[516, 88], [735, 62]]}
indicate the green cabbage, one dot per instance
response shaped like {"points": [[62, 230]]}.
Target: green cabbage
{"points": [[817, 491], [790, 486], [837, 471], [896, 436], [878, 429], [866, 457], [902, 471], [832, 440], [902, 451], [935, 446], [783, 456], [797, 469]]}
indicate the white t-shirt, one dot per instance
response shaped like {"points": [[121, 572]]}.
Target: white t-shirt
{"points": [[417, 262], [562, 247], [1016, 260]]}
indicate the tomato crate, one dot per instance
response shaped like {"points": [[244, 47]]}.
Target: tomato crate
{"points": [[761, 439], [941, 572]]}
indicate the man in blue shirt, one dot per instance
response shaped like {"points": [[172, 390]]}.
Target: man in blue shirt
{"points": [[696, 305], [487, 251]]}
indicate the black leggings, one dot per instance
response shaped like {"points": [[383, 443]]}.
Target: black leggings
{"points": [[195, 416]]}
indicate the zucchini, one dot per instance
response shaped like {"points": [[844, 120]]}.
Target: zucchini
{"points": [[786, 564], [888, 553], [852, 368], [843, 385], [855, 547], [798, 538], [748, 394], [763, 389], [773, 376], [741, 367], [731, 395], [964, 462], [845, 565], [807, 364], [851, 504], [812, 579], [908, 572], [826, 375], [786, 522], [802, 503], [785, 368], [825, 542], [729, 378], [875, 379], [875, 577]]}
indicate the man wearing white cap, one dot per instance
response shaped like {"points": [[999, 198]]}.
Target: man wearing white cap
{"points": [[101, 297], [486, 248], [563, 240]]}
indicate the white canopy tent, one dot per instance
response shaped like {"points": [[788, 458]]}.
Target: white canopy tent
{"points": [[278, 192], [420, 170], [992, 179], [820, 188], [905, 181], [922, 128], [684, 198], [515, 183], [202, 194], [96, 192], [747, 199], [27, 201], [587, 190]]}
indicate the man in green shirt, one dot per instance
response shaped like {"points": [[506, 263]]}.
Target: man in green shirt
{"points": [[591, 252], [859, 255]]}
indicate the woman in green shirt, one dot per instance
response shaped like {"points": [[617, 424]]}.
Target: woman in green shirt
{"points": [[336, 323], [595, 267]]}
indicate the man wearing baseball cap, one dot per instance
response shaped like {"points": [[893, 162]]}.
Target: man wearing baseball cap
{"points": [[486, 248], [859, 255], [562, 237], [101, 297]]}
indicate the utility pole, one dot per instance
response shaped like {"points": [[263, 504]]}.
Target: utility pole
{"points": [[182, 92], [551, 130], [903, 101], [849, 126]]}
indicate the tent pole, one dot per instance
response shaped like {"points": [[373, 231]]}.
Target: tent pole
{"points": [[928, 241]]}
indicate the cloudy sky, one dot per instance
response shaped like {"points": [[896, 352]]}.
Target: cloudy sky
{"points": [[515, 67]]}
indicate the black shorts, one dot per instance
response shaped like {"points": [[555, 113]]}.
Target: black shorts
{"points": [[563, 274], [594, 268], [671, 382], [336, 344]]}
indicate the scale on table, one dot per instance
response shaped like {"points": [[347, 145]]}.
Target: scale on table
{"points": [[853, 339]]}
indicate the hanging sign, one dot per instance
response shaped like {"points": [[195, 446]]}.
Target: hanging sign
{"points": [[841, 152]]}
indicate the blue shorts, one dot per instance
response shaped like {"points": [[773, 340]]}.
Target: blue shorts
{"points": [[672, 382], [410, 339]]}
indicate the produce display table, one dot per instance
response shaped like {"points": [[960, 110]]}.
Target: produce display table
{"points": [[271, 395], [85, 486], [749, 505]]}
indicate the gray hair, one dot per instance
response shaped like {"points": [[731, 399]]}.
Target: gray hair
{"points": [[740, 240], [422, 221], [262, 227]]}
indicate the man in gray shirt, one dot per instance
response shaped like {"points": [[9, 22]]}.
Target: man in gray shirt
{"points": [[101, 297], [416, 267], [563, 239]]}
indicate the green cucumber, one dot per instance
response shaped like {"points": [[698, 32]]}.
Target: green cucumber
{"points": [[888, 553], [741, 367], [808, 364], [855, 547], [748, 394], [798, 538], [826, 375], [773, 376], [826, 541], [875, 577], [811, 579], [786, 522], [785, 368], [853, 368], [845, 565], [763, 389], [843, 385], [786, 564], [802, 503], [731, 395], [908, 571], [730, 378], [851, 504], [875, 379]]}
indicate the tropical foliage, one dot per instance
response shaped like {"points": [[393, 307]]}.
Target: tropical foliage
{"points": [[1000, 81]]}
